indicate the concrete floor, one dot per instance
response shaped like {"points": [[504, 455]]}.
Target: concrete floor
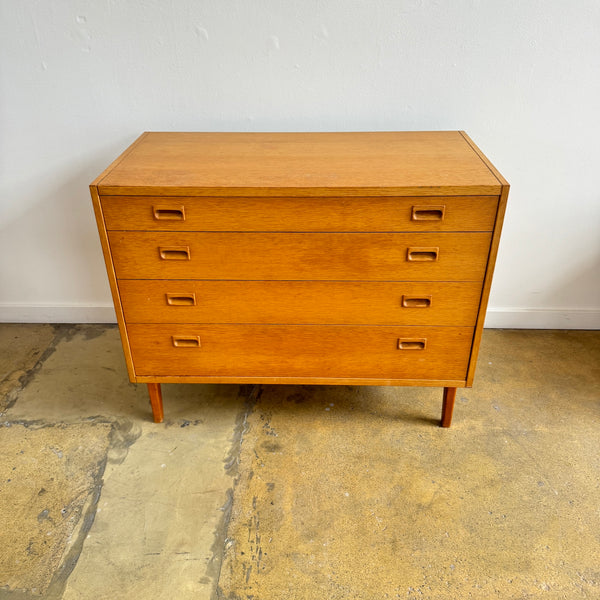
{"points": [[277, 492]]}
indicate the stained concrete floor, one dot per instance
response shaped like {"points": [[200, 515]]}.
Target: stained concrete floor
{"points": [[277, 492]]}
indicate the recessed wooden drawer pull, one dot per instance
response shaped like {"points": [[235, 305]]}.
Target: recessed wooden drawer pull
{"points": [[423, 254], [416, 301], [169, 213], [186, 341], [181, 299], [428, 213], [412, 344], [174, 253]]}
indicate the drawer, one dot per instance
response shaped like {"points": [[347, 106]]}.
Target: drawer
{"points": [[301, 351], [300, 256], [457, 213], [300, 302]]}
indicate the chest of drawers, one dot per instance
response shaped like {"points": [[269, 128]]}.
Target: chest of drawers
{"points": [[302, 258]]}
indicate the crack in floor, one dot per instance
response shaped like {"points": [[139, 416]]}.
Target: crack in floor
{"points": [[18, 379], [222, 542], [70, 478]]}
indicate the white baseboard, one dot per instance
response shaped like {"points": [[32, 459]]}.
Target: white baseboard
{"points": [[542, 318], [57, 313], [496, 318]]}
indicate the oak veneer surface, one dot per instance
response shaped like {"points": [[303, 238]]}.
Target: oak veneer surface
{"points": [[301, 302], [301, 351], [346, 256], [343, 258], [237, 164], [447, 213]]}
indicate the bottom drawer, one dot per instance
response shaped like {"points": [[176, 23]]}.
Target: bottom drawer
{"points": [[337, 351]]}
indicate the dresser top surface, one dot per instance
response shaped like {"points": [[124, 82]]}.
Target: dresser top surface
{"points": [[361, 163]]}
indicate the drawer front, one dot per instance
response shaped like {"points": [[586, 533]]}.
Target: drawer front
{"points": [[457, 213], [300, 302], [300, 351], [300, 256]]}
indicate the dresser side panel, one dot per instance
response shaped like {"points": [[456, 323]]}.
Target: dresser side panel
{"points": [[492, 256], [487, 284], [112, 279]]}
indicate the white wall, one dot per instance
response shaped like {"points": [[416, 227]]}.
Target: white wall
{"points": [[81, 79]]}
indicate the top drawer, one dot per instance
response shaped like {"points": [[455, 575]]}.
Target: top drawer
{"points": [[452, 213]]}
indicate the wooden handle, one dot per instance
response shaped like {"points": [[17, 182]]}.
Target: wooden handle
{"points": [[428, 213], [174, 252], [169, 213], [423, 254], [181, 299], [186, 341], [416, 301], [412, 343]]}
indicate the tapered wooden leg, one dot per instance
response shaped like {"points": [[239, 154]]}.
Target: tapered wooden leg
{"points": [[448, 406], [156, 401]]}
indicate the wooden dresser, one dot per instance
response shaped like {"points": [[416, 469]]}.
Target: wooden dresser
{"points": [[302, 258]]}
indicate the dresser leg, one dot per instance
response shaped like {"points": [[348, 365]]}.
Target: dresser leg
{"points": [[156, 401], [448, 406]]}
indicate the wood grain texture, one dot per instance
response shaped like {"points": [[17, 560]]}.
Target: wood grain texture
{"points": [[156, 402], [492, 256], [301, 351], [382, 214], [112, 280], [250, 164], [448, 406], [485, 160], [300, 302], [302, 380], [487, 284], [117, 160], [285, 257], [300, 256]]}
